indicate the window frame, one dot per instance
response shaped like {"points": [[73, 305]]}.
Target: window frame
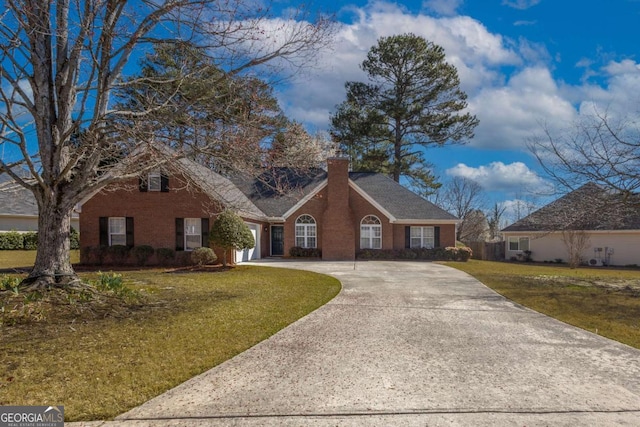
{"points": [[306, 232], [518, 240], [423, 237], [193, 229], [156, 178], [370, 231], [112, 233]]}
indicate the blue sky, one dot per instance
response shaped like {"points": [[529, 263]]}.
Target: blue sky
{"points": [[521, 62]]}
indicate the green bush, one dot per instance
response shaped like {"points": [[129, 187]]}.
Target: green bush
{"points": [[203, 256], [142, 254], [230, 232], [74, 238], [436, 254], [9, 283], [11, 241], [30, 240], [118, 254], [298, 251], [165, 256]]}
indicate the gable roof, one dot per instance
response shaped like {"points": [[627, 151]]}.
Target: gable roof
{"points": [[281, 190], [402, 203], [589, 207]]}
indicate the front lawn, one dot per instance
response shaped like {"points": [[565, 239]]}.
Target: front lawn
{"points": [[19, 259], [605, 301], [101, 364]]}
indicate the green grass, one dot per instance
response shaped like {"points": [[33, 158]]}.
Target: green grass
{"points": [[100, 366], [603, 300], [18, 259]]}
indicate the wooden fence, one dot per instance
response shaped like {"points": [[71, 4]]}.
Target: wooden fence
{"points": [[493, 251]]}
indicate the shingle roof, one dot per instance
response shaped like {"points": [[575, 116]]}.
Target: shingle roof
{"points": [[589, 207], [276, 191], [399, 201]]}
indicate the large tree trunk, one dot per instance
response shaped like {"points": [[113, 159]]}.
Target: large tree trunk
{"points": [[53, 265]]}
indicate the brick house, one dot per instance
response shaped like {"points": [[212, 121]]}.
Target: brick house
{"points": [[336, 211]]}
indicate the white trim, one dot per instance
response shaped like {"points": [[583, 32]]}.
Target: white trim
{"points": [[427, 222], [544, 233], [302, 201]]}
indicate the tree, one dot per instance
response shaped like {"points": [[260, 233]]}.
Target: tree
{"points": [[463, 197], [576, 241], [494, 219], [62, 61], [229, 232], [413, 101], [294, 147], [223, 119], [597, 148]]}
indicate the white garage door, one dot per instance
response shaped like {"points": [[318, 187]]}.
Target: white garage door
{"points": [[253, 253]]}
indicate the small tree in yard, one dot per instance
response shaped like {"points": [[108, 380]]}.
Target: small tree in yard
{"points": [[230, 232], [576, 241]]}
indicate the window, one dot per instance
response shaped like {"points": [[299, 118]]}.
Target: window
{"points": [[117, 231], [192, 233], [370, 233], [518, 243], [422, 237], [306, 231], [154, 181]]}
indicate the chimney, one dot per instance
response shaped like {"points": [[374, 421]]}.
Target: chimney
{"points": [[338, 227]]}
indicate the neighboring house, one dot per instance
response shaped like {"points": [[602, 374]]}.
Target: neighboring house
{"points": [[609, 222], [18, 208], [334, 211]]}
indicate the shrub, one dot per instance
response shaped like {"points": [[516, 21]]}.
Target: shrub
{"points": [[30, 240], [436, 254], [183, 258], [118, 254], [165, 256], [94, 255], [203, 256], [230, 232], [142, 254], [74, 238], [11, 241], [298, 251], [8, 283]]}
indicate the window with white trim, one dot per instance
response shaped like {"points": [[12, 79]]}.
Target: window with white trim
{"points": [[192, 233], [306, 232], [518, 243], [117, 231], [154, 182], [370, 232], [422, 237]]}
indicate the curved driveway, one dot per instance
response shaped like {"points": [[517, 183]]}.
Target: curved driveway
{"points": [[408, 343]]}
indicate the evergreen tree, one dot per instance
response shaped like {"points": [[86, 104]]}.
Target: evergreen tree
{"points": [[412, 101]]}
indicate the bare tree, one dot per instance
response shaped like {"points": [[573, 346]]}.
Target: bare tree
{"points": [[474, 227], [61, 62], [576, 241], [494, 219], [597, 148], [460, 196]]}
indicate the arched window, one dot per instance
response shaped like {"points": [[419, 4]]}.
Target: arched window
{"points": [[306, 231], [370, 232]]}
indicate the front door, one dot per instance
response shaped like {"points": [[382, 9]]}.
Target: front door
{"points": [[277, 240]]}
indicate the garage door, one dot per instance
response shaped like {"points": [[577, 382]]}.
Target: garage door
{"points": [[253, 253]]}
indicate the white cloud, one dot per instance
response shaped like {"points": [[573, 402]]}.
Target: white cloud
{"points": [[520, 4], [514, 178], [443, 7], [512, 113], [476, 53]]}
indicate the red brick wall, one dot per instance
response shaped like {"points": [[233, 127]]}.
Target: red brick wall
{"points": [[361, 208], [338, 239], [314, 207]]}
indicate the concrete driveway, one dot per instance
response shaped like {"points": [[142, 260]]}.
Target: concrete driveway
{"points": [[408, 343]]}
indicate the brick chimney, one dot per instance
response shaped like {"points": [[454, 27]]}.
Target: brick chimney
{"points": [[338, 232]]}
